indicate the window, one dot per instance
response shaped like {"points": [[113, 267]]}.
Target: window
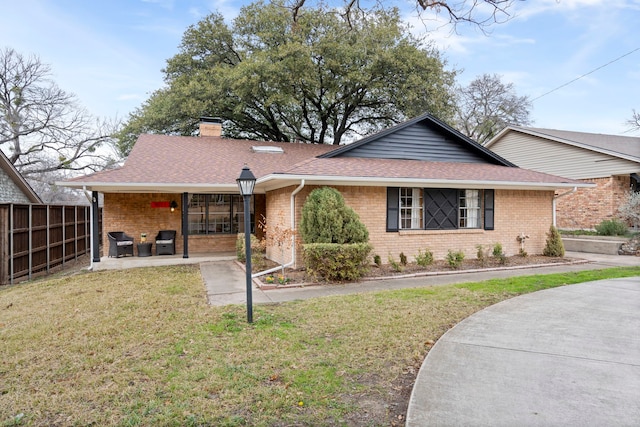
{"points": [[469, 206], [439, 209], [217, 214], [410, 208]]}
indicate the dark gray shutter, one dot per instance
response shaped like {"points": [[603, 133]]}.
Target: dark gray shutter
{"points": [[393, 207], [488, 209], [441, 208]]}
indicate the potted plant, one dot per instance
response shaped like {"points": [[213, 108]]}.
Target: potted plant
{"points": [[143, 237]]}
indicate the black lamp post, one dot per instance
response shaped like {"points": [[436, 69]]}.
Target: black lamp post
{"points": [[246, 182]]}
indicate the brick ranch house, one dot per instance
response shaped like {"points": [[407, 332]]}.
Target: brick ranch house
{"points": [[610, 162], [417, 185]]}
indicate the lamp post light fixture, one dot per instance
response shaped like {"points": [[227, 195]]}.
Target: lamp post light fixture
{"points": [[246, 181]]}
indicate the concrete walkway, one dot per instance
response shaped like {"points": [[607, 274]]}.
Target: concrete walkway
{"points": [[225, 281], [567, 356]]}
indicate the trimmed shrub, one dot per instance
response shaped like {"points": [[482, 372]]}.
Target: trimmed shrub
{"points": [[424, 259], [377, 260], [403, 258], [454, 259], [497, 250], [327, 219], [333, 262], [612, 227], [554, 246]]}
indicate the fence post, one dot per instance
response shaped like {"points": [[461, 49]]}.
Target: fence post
{"points": [[95, 234]]}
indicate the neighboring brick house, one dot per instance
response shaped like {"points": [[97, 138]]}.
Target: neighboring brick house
{"points": [[610, 162], [419, 185], [13, 187]]}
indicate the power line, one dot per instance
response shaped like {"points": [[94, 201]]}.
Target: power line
{"points": [[584, 75]]}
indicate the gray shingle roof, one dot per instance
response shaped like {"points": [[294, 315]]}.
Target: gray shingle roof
{"points": [[200, 164]]}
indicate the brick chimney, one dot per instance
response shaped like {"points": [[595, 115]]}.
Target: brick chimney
{"points": [[210, 126]]}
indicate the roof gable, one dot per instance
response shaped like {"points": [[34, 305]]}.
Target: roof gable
{"points": [[15, 189], [423, 138], [623, 147]]}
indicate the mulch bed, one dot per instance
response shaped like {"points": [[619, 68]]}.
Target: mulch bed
{"points": [[297, 277]]}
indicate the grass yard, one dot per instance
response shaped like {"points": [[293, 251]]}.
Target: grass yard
{"points": [[142, 348]]}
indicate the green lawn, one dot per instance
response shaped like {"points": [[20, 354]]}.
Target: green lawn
{"points": [[141, 347]]}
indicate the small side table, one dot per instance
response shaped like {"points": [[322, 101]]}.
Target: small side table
{"points": [[144, 249]]}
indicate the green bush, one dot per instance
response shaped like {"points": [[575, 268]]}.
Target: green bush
{"points": [[334, 262], [327, 219], [394, 264], [424, 259], [403, 258], [554, 246], [612, 227], [454, 259], [497, 250], [377, 260]]}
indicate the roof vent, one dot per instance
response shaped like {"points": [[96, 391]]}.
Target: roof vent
{"points": [[267, 149]]}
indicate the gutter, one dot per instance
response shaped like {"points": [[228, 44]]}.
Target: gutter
{"points": [[90, 199], [293, 238], [557, 197]]}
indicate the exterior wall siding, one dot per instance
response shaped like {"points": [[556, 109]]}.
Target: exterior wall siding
{"points": [[417, 142], [587, 207], [516, 212], [539, 154]]}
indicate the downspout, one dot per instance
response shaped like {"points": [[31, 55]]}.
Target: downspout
{"points": [[90, 199], [293, 238], [557, 197]]}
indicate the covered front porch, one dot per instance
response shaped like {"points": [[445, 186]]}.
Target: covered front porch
{"points": [[122, 263]]}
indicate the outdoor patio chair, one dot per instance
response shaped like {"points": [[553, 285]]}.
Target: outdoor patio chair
{"points": [[120, 244], [166, 242]]}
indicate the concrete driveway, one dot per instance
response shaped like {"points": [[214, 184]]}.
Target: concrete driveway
{"points": [[568, 356]]}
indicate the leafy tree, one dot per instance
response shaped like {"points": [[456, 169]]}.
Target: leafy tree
{"points": [[43, 131], [322, 77], [486, 106], [327, 219]]}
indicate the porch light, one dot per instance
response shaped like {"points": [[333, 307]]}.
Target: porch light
{"points": [[246, 182], [173, 205]]}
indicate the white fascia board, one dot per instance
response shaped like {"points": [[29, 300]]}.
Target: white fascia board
{"points": [[275, 181], [141, 187]]}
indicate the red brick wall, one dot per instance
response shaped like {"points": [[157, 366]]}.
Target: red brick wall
{"points": [[516, 212], [133, 214], [587, 207]]}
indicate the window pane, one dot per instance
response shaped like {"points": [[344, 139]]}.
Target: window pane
{"points": [[197, 214], [238, 213], [469, 209], [410, 208], [219, 214]]}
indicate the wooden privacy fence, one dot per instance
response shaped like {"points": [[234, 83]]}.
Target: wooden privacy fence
{"points": [[35, 239]]}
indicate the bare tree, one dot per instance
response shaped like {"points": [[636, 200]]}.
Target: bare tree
{"points": [[477, 12], [42, 127], [487, 106], [634, 122]]}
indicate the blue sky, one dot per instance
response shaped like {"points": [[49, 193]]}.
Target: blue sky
{"points": [[110, 53]]}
